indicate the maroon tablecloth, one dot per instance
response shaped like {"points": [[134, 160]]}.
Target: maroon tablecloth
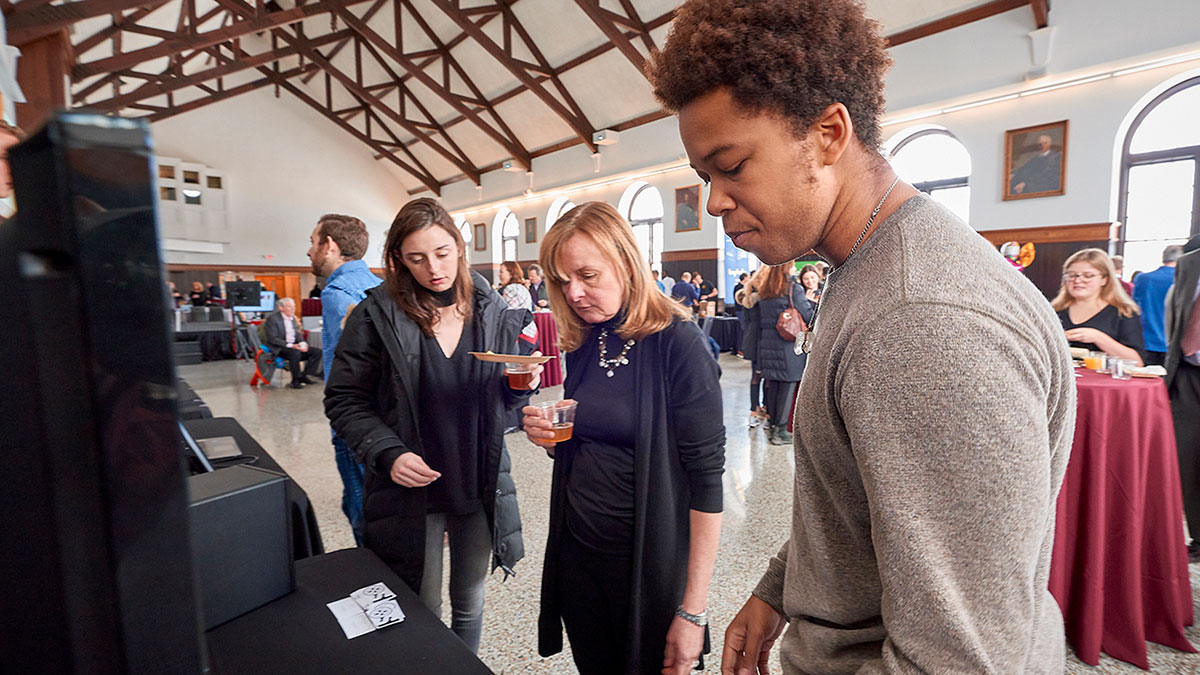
{"points": [[1119, 570], [547, 343]]}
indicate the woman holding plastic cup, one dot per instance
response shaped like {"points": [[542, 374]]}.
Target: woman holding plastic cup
{"points": [[635, 503], [427, 419]]}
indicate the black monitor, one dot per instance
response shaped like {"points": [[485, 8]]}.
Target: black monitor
{"points": [[242, 294], [95, 563]]}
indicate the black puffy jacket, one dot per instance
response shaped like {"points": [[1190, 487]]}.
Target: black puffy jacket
{"points": [[777, 357], [372, 402]]}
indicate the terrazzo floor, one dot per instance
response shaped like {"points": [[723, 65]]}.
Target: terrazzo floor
{"points": [[291, 425]]}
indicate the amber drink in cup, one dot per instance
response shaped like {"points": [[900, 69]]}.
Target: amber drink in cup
{"points": [[561, 415], [520, 375]]}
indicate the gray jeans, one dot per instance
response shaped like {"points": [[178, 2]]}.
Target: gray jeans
{"points": [[470, 551]]}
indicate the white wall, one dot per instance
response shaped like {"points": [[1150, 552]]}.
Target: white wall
{"points": [[1098, 116], [285, 165]]}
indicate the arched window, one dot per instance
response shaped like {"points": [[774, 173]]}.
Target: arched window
{"points": [[463, 227], [1160, 177], [936, 163], [557, 208], [642, 206], [506, 223]]}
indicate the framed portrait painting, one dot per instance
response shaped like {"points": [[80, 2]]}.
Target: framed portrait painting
{"points": [[531, 230], [687, 208], [480, 236], [1035, 161]]}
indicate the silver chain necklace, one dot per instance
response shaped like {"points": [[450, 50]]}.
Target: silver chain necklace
{"points": [[803, 346], [620, 360]]}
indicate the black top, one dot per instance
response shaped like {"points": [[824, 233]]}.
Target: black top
{"points": [[452, 398], [705, 289], [199, 298], [1126, 330], [600, 486]]}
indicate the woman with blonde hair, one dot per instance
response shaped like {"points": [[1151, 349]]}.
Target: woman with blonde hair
{"points": [[1095, 310], [635, 502]]}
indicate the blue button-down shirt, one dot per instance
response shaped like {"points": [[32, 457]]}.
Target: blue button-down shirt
{"points": [[1150, 293], [347, 285]]}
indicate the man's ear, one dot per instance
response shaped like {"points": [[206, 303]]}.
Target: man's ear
{"points": [[832, 133]]}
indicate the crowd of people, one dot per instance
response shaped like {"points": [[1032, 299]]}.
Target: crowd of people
{"points": [[920, 539]]}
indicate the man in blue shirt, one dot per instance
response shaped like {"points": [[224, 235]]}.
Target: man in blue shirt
{"points": [[338, 245], [1150, 293], [684, 291]]}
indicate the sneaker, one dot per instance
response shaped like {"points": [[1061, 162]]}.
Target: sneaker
{"points": [[296, 385], [755, 420], [307, 380], [783, 436]]}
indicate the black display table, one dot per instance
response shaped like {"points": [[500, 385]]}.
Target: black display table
{"points": [[728, 333], [306, 536], [297, 634]]}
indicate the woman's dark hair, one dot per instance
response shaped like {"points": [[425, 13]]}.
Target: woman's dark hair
{"points": [[805, 270], [416, 300], [777, 283], [793, 58], [515, 275]]}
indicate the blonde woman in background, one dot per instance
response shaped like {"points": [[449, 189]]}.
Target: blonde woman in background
{"points": [[1095, 311]]}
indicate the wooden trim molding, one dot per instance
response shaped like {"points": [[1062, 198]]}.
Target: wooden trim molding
{"points": [[954, 21], [1053, 234], [694, 254], [265, 269]]}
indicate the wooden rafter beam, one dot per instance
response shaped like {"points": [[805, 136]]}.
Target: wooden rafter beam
{"points": [[1041, 12], [391, 51], [638, 25], [39, 20], [954, 21], [372, 104], [573, 118], [168, 82], [607, 25], [226, 94], [426, 179], [256, 24]]}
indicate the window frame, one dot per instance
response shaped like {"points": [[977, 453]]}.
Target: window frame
{"points": [[1131, 159], [942, 183]]}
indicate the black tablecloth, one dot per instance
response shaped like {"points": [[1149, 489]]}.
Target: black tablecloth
{"points": [[297, 634], [306, 536], [728, 333]]}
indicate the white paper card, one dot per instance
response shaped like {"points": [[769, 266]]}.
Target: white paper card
{"points": [[370, 594], [351, 618]]}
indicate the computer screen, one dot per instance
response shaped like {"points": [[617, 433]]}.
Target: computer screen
{"points": [[266, 303]]}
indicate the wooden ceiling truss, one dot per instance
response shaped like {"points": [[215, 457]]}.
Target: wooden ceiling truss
{"points": [[195, 65]]}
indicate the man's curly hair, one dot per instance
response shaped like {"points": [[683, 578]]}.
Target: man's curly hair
{"points": [[790, 57]]}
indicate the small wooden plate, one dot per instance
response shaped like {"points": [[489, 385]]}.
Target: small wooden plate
{"points": [[509, 358]]}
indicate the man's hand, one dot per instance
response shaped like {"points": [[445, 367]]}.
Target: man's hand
{"points": [[749, 639], [410, 470], [684, 642]]}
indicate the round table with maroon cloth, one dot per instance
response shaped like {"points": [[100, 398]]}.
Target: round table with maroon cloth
{"points": [[1119, 569], [547, 344]]}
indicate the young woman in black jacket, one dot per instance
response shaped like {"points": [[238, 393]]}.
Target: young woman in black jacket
{"points": [[782, 367], [635, 503], [427, 419]]}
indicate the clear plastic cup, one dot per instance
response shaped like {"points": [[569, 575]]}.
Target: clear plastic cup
{"points": [[1122, 369], [561, 415], [520, 375]]}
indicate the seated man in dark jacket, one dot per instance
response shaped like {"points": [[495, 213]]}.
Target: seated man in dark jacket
{"points": [[285, 338]]}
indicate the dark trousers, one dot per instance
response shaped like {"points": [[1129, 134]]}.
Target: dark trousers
{"points": [[1185, 408], [1155, 358], [756, 380], [595, 607], [311, 359], [780, 395]]}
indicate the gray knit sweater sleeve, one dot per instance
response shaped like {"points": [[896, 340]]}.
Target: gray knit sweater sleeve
{"points": [[960, 504]]}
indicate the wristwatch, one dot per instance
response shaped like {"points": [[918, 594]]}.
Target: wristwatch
{"points": [[700, 619]]}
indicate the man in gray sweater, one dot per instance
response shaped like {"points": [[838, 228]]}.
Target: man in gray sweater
{"points": [[935, 418]]}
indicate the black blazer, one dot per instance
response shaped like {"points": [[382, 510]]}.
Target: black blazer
{"points": [[1187, 275]]}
